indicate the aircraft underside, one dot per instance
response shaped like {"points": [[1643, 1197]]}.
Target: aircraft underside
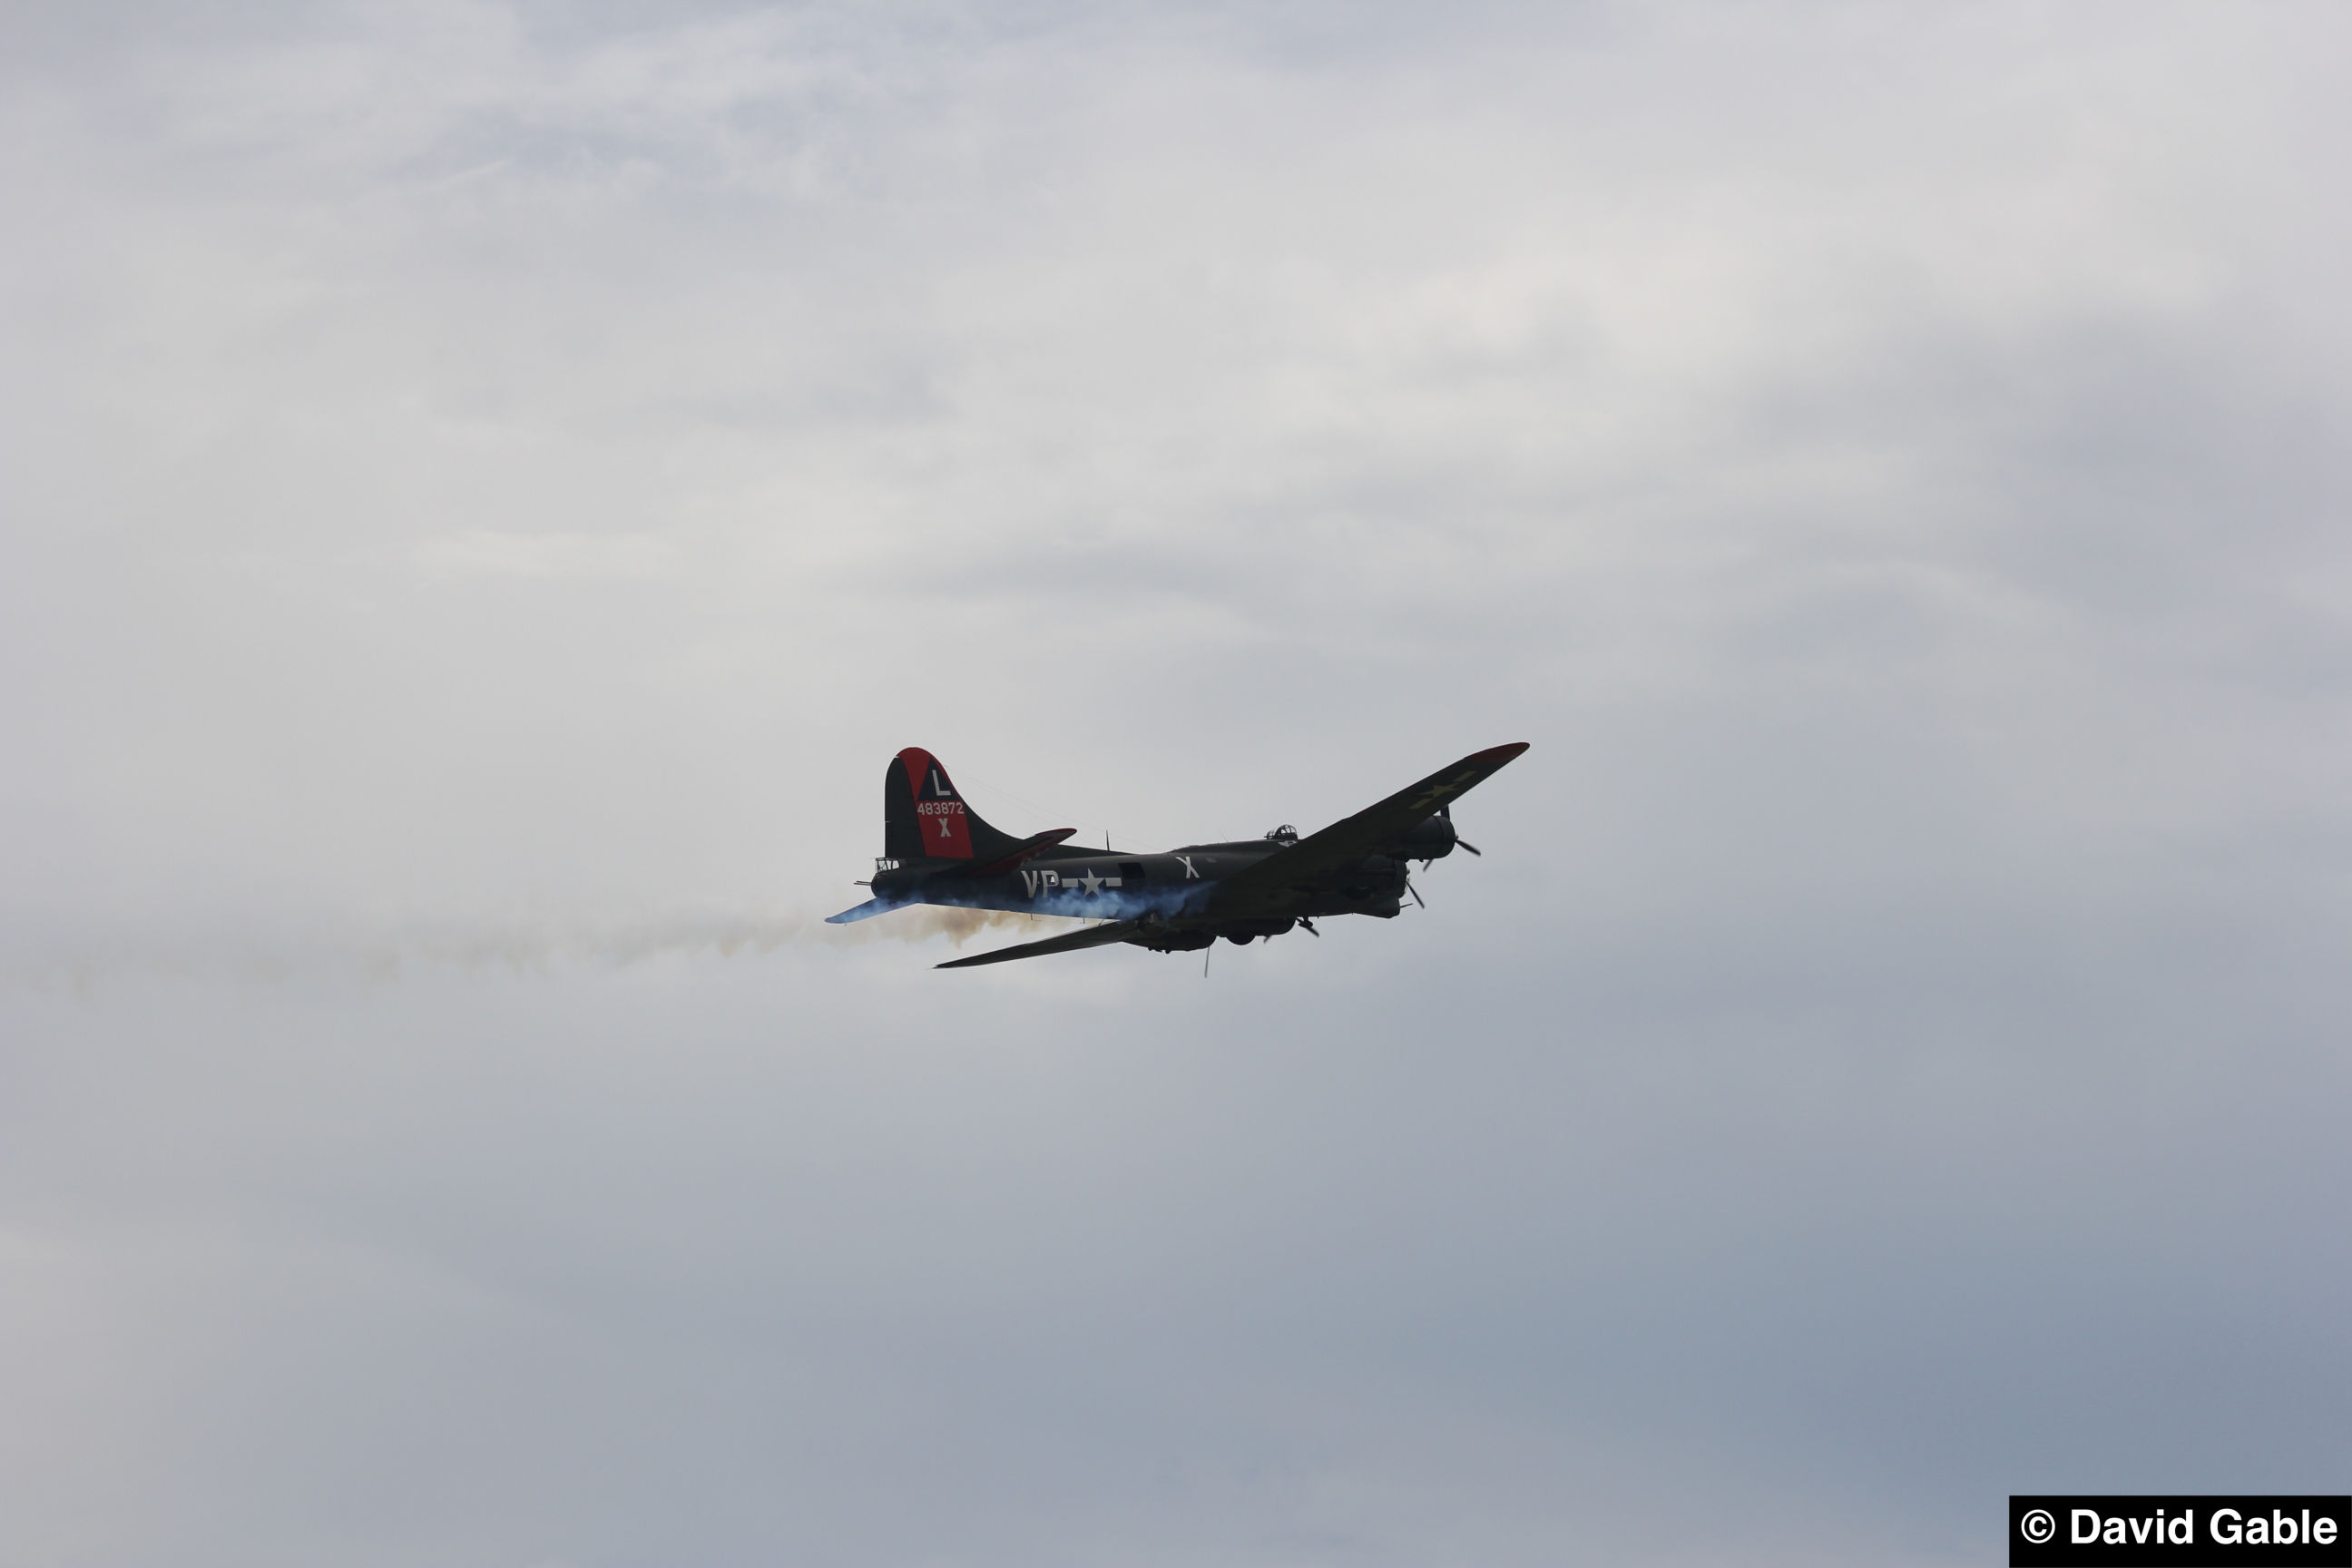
{"points": [[1170, 925]]}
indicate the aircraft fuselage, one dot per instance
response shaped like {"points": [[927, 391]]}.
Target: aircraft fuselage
{"points": [[1098, 884]]}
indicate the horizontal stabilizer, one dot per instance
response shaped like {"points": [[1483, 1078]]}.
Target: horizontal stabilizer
{"points": [[864, 911], [1068, 942], [1020, 852]]}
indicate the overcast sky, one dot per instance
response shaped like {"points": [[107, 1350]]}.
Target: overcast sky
{"points": [[485, 488]]}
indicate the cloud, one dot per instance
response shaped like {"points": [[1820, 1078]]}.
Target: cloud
{"points": [[487, 488]]}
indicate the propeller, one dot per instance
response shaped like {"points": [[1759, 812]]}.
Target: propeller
{"points": [[1414, 891], [1308, 926], [1460, 842]]}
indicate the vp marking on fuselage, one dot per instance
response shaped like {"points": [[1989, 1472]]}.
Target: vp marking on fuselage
{"points": [[1035, 882]]}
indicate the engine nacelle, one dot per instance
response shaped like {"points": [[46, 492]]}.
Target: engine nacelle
{"points": [[1431, 839], [1162, 941], [1241, 932]]}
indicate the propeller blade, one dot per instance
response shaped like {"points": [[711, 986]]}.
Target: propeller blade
{"points": [[1462, 843], [1308, 926], [1414, 891]]}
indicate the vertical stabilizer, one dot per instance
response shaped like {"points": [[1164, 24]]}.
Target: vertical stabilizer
{"points": [[923, 818]]}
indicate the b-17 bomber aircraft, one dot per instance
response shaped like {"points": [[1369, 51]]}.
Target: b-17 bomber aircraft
{"points": [[937, 851]]}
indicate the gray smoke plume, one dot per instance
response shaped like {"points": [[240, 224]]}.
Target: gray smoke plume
{"points": [[84, 963]]}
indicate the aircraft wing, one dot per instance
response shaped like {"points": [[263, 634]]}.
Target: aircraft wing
{"points": [[1068, 942], [1307, 863]]}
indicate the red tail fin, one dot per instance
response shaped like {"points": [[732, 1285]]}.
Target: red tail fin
{"points": [[923, 818]]}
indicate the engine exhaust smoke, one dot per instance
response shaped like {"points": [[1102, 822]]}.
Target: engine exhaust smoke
{"points": [[85, 963]]}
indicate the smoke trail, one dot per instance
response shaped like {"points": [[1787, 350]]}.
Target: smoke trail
{"points": [[520, 947]]}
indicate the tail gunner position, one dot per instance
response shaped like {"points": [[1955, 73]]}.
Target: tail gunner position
{"points": [[937, 851]]}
